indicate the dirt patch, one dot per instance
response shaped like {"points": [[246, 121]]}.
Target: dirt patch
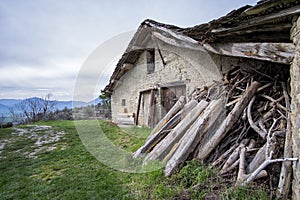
{"points": [[46, 139]]}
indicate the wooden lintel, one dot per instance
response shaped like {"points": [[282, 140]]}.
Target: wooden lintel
{"points": [[127, 66], [274, 52], [172, 84]]}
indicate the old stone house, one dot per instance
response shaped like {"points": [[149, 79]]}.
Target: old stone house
{"points": [[163, 62], [158, 66]]}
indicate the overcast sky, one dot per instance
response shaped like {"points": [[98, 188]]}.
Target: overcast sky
{"points": [[44, 43]]}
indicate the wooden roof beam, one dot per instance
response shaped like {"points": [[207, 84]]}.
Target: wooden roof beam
{"points": [[260, 20], [274, 52]]}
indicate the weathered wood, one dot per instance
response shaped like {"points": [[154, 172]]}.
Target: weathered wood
{"points": [[268, 156], [162, 149], [192, 137], [214, 122], [151, 116], [230, 120], [252, 124], [155, 137], [127, 66], [234, 159], [234, 156], [232, 166], [188, 107], [286, 168], [242, 173], [259, 158], [274, 101], [275, 52], [259, 20], [136, 121], [268, 161], [175, 109], [171, 152], [242, 176], [224, 155]]}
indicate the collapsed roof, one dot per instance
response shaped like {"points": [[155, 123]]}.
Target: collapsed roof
{"points": [[264, 26]]}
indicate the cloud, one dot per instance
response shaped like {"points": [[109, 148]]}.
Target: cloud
{"points": [[44, 44]]}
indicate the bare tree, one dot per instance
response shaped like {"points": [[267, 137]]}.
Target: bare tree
{"points": [[106, 103], [33, 109], [16, 117], [2, 120], [48, 105], [35, 106]]}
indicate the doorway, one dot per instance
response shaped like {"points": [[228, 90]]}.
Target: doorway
{"points": [[170, 95]]}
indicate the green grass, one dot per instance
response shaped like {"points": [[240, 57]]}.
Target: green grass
{"points": [[70, 171], [245, 192]]}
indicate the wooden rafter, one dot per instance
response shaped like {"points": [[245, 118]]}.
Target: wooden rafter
{"points": [[274, 52]]}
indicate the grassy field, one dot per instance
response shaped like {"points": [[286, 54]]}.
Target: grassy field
{"points": [[47, 160]]}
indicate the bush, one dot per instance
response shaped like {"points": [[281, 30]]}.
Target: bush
{"points": [[6, 125]]}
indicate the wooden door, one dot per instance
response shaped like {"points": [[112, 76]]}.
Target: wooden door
{"points": [[146, 107], [146, 115], [170, 96]]}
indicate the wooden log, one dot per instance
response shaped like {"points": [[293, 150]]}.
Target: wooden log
{"points": [[173, 111], [252, 124], [214, 122], [268, 157], [274, 101], [286, 168], [259, 158], [242, 176], [162, 149], [192, 137], [179, 109], [155, 138], [228, 123], [234, 160], [171, 152], [242, 173], [231, 167], [234, 156], [224, 155], [268, 161], [188, 107], [264, 87]]}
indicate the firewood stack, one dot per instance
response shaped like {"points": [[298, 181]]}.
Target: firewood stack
{"points": [[240, 126]]}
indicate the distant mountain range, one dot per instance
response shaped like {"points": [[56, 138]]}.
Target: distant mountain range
{"points": [[6, 104]]}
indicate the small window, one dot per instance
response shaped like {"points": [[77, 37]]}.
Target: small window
{"points": [[150, 55], [123, 102]]}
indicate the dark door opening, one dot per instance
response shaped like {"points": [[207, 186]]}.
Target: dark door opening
{"points": [[170, 95]]}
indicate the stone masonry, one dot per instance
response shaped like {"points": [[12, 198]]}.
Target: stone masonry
{"points": [[295, 106]]}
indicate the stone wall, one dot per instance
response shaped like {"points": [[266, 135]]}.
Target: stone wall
{"points": [[193, 67], [295, 106]]}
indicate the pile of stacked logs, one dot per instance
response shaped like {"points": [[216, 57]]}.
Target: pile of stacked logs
{"points": [[240, 125]]}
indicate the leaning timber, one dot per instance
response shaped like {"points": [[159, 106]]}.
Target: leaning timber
{"points": [[162, 149]]}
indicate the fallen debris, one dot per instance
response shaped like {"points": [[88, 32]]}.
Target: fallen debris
{"points": [[240, 126]]}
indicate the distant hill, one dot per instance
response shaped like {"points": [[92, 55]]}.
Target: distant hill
{"points": [[5, 104], [4, 109], [10, 102]]}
